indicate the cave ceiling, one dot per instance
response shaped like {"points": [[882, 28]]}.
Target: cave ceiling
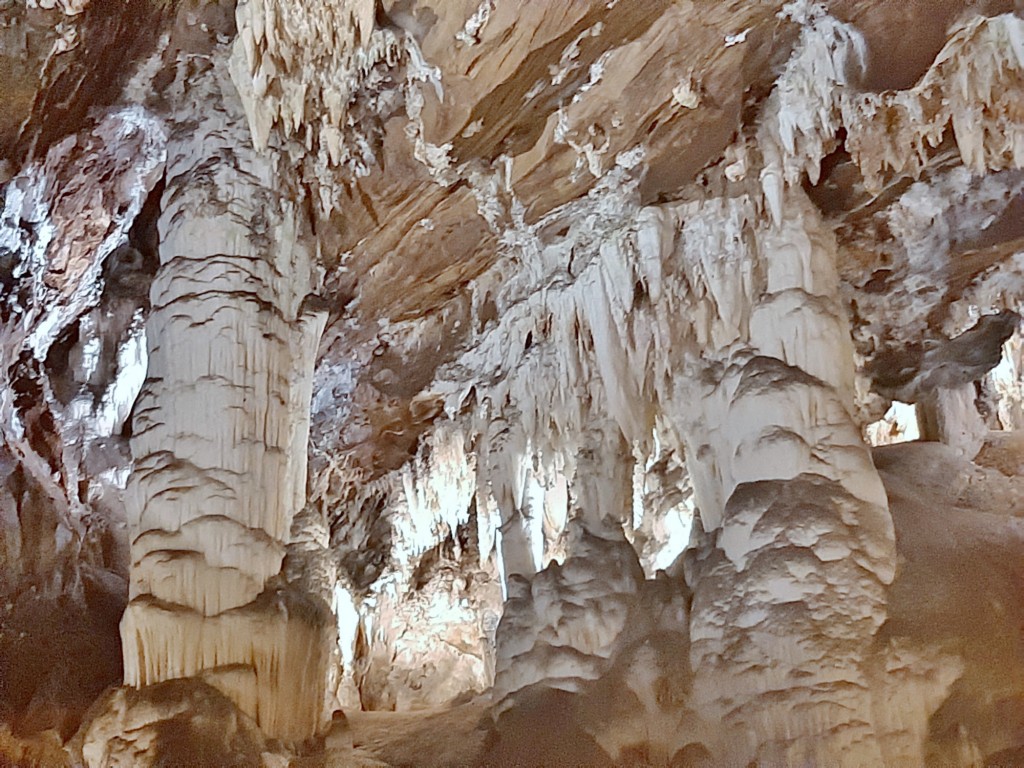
{"points": [[513, 124]]}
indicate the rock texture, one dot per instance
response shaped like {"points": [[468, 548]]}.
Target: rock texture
{"points": [[177, 722], [606, 383], [220, 431], [789, 584]]}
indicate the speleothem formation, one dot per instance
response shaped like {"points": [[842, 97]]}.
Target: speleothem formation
{"points": [[492, 383]]}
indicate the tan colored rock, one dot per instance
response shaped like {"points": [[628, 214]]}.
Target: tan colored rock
{"points": [[176, 721]]}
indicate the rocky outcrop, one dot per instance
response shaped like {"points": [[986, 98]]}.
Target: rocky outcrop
{"points": [[177, 721]]}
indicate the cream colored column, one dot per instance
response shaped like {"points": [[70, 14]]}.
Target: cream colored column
{"points": [[789, 583], [221, 427]]}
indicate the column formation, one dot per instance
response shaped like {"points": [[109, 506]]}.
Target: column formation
{"points": [[221, 427], [789, 578]]}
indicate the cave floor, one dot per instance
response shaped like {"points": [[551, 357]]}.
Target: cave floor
{"points": [[450, 736]]}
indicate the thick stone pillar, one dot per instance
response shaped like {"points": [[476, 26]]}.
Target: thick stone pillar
{"points": [[789, 579], [221, 427]]}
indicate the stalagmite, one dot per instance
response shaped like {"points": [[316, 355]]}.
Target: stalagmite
{"points": [[789, 578], [560, 626], [220, 433]]}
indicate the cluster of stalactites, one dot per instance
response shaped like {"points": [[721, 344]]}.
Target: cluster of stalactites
{"points": [[465, 469], [325, 74], [608, 330], [572, 348], [277, 39], [972, 87]]}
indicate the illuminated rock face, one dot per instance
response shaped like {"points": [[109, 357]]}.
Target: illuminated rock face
{"points": [[789, 579], [220, 434], [465, 312]]}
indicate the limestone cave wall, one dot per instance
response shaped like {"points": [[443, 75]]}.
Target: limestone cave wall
{"points": [[421, 383]]}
